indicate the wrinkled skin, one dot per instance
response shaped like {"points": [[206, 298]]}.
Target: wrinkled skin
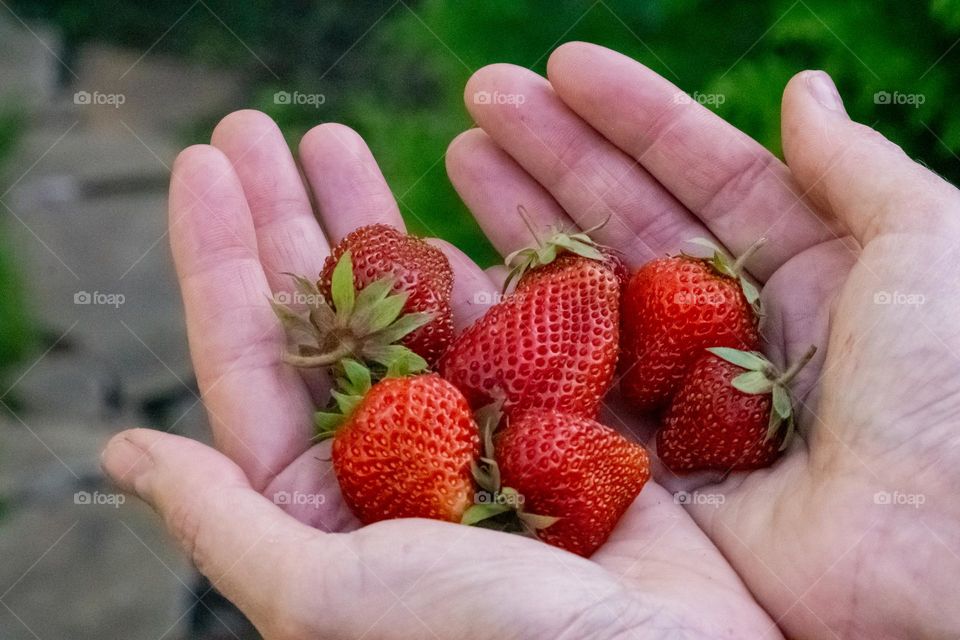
{"points": [[850, 217]]}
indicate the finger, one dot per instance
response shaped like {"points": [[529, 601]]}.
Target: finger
{"points": [[307, 489], [657, 546], [296, 582], [735, 186], [587, 175], [234, 337], [493, 185], [346, 182], [472, 289], [249, 549], [855, 173]]}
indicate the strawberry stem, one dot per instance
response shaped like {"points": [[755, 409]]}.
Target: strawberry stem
{"points": [[795, 368], [740, 263], [529, 224], [321, 360]]}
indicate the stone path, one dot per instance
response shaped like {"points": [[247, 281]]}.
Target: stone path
{"points": [[85, 216]]}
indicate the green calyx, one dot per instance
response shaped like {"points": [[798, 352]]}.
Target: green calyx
{"points": [[734, 268], [364, 324], [546, 251], [352, 381], [762, 377], [503, 507]]}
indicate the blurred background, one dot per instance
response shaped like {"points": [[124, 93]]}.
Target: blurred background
{"points": [[96, 98]]}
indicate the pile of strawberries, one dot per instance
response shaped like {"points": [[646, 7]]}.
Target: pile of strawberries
{"points": [[497, 427]]}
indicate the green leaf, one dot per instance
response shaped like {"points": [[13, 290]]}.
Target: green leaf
{"points": [[375, 292], [773, 426], [327, 422], [749, 360], [750, 291], [406, 324], [752, 382], [292, 321], [585, 250], [345, 402], [781, 401], [341, 286], [398, 359], [386, 312], [537, 522], [358, 377], [480, 512]]}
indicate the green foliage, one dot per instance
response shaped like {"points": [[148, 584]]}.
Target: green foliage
{"points": [[16, 333], [396, 72]]}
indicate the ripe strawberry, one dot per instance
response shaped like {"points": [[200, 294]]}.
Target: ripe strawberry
{"points": [[363, 324], [552, 343], [673, 309], [419, 269], [729, 413], [577, 474], [402, 448]]}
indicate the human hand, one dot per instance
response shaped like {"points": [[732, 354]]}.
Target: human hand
{"points": [[855, 532], [263, 518]]}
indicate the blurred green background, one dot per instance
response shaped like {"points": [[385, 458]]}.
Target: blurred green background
{"points": [[400, 82], [395, 71]]}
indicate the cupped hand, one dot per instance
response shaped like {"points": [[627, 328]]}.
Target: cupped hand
{"points": [[262, 516], [855, 532]]}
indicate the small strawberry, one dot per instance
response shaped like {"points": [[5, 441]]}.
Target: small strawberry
{"points": [[673, 309], [552, 343], [732, 413], [578, 475], [402, 448], [417, 268], [364, 324]]}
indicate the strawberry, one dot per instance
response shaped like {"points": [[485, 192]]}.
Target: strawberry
{"points": [[576, 474], [364, 324], [674, 308], [417, 268], [732, 413], [552, 343], [403, 447]]}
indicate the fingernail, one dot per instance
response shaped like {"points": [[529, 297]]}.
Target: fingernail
{"points": [[823, 90], [126, 463]]}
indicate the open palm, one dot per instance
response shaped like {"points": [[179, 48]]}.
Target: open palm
{"points": [[855, 533], [263, 516]]}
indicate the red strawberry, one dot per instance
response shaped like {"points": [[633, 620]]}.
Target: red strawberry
{"points": [[402, 448], [578, 475], [419, 269], [552, 344], [674, 308], [363, 324], [729, 414]]}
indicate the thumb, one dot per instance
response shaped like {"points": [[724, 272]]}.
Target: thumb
{"points": [[247, 546], [854, 173]]}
